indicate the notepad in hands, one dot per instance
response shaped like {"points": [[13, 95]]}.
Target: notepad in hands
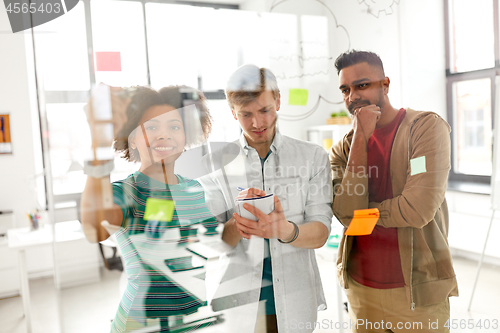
{"points": [[264, 204]]}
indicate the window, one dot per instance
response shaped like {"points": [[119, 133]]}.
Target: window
{"points": [[118, 28], [128, 43], [472, 49], [472, 31], [61, 50], [473, 130]]}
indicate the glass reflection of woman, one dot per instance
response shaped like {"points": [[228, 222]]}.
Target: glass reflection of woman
{"points": [[158, 129]]}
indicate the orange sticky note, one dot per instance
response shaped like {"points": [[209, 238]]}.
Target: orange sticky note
{"points": [[363, 222]]}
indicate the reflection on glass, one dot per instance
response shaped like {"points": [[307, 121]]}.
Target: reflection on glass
{"points": [[185, 56], [315, 50], [118, 26], [472, 45], [61, 50], [473, 128], [157, 214], [224, 128], [283, 43], [175, 43], [69, 141]]}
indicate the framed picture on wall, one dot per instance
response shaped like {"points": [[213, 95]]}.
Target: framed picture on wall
{"points": [[5, 138]]}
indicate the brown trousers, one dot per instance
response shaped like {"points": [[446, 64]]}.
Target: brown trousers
{"points": [[387, 310]]}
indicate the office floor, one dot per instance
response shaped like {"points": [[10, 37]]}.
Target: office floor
{"points": [[485, 306], [90, 308]]}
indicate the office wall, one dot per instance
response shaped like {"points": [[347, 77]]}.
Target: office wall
{"points": [[408, 35], [470, 216], [17, 97], [423, 55]]}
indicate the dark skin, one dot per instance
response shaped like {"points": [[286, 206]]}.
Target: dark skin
{"points": [[159, 136], [365, 93]]}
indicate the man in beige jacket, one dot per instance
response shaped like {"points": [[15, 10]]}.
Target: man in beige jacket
{"points": [[400, 276]]}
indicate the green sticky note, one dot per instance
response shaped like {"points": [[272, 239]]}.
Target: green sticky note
{"points": [[298, 96], [418, 165], [159, 210]]}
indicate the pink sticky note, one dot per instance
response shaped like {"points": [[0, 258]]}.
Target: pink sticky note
{"points": [[108, 62]]}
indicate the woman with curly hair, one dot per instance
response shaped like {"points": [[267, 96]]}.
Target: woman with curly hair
{"points": [[159, 126]]}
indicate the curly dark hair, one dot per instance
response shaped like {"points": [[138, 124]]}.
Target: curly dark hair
{"points": [[176, 96]]}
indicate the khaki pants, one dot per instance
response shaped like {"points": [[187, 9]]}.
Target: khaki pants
{"points": [[387, 310]]}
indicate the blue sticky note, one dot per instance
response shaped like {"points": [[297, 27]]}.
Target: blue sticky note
{"points": [[418, 165], [159, 210]]}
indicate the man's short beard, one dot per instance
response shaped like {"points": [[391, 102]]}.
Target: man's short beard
{"points": [[365, 102], [356, 105]]}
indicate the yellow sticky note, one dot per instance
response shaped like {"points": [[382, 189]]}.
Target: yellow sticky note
{"points": [[327, 144], [159, 210], [298, 96], [418, 165], [363, 222]]}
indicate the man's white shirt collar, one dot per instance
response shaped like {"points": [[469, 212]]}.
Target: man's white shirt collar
{"points": [[275, 145]]}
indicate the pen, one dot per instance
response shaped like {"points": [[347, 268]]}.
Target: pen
{"points": [[240, 188]]}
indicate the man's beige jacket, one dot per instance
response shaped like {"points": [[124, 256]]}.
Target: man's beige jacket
{"points": [[418, 208]]}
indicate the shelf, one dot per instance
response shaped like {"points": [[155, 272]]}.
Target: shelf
{"points": [[335, 132], [325, 128]]}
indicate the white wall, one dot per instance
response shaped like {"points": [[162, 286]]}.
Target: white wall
{"points": [[423, 55], [408, 36], [17, 94], [18, 97], [470, 216]]}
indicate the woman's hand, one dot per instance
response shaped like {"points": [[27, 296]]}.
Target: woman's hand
{"points": [[104, 123]]}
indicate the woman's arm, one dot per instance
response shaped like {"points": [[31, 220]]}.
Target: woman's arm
{"points": [[96, 206], [97, 198]]}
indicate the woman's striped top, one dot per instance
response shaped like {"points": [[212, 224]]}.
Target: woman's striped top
{"points": [[149, 293]]}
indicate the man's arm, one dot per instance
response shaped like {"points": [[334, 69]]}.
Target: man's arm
{"points": [[318, 214], [215, 201], [350, 179], [318, 208], [311, 235], [423, 193], [230, 234]]}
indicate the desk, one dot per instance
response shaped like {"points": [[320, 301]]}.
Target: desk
{"points": [[154, 252], [234, 307], [77, 260], [21, 239]]}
